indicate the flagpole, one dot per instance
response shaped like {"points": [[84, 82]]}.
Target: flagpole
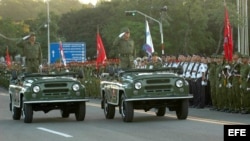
{"points": [[48, 21], [97, 33], [97, 27], [238, 12], [160, 26]]}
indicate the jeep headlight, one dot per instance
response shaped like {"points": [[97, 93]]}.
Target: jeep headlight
{"points": [[179, 83], [75, 87], [36, 89], [138, 85]]}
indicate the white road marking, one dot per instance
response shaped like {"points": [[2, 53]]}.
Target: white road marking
{"points": [[221, 122], [3, 94], [54, 132]]}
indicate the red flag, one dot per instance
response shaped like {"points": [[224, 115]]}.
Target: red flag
{"points": [[228, 39], [62, 53], [101, 54], [7, 58]]}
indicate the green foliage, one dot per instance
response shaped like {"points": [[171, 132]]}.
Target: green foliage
{"points": [[189, 26]]}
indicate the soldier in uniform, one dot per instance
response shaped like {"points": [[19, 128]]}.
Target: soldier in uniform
{"points": [[124, 48], [144, 63], [156, 61], [212, 79], [32, 51], [220, 86], [195, 81], [236, 82], [245, 85], [188, 71], [228, 94], [201, 82]]}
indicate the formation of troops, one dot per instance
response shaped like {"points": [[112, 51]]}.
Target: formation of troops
{"points": [[215, 82]]}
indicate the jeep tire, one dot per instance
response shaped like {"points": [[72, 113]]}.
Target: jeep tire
{"points": [[80, 111], [28, 113], [182, 109], [127, 110], [64, 113], [160, 111], [109, 110], [16, 112]]}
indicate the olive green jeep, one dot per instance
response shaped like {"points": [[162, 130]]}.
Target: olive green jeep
{"points": [[46, 92], [145, 89]]}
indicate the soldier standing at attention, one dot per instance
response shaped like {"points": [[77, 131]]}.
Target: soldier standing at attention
{"points": [[245, 76], [32, 52], [196, 87], [124, 48], [236, 97], [212, 79], [220, 86]]}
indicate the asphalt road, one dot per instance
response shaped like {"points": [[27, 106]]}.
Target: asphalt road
{"points": [[201, 125]]}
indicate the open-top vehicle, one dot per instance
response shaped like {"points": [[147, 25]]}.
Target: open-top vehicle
{"points": [[46, 92], [145, 89]]}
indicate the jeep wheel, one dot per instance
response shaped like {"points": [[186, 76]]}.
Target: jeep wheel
{"points": [[109, 110], [81, 111], [127, 110], [16, 112], [28, 113], [160, 111], [64, 113], [182, 110]]}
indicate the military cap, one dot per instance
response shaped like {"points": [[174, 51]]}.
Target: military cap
{"points": [[32, 33], [125, 29], [138, 59], [220, 56], [154, 53], [244, 56], [238, 53], [213, 55], [145, 57]]}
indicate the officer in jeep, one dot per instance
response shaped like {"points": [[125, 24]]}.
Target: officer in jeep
{"points": [[32, 51], [124, 48]]}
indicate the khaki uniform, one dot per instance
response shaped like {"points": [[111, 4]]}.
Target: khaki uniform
{"points": [[244, 89], [33, 54], [212, 79], [220, 86], [124, 50], [235, 99]]}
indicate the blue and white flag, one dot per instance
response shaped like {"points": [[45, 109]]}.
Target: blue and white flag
{"points": [[62, 53], [148, 46]]}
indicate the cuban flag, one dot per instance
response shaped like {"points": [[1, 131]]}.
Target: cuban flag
{"points": [[148, 46], [62, 53]]}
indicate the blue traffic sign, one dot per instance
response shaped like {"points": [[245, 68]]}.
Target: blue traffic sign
{"points": [[73, 52]]}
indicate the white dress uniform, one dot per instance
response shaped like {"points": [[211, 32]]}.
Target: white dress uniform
{"points": [[189, 69]]}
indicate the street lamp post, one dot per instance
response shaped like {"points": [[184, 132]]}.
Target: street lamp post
{"points": [[48, 21], [132, 12], [243, 43]]}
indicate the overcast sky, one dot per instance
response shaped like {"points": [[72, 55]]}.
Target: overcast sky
{"points": [[89, 1]]}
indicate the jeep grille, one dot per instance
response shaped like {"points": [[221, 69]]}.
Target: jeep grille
{"points": [[55, 85], [158, 86], [55, 89], [153, 81]]}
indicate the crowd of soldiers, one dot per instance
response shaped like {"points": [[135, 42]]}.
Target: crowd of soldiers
{"points": [[221, 84], [214, 82]]}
